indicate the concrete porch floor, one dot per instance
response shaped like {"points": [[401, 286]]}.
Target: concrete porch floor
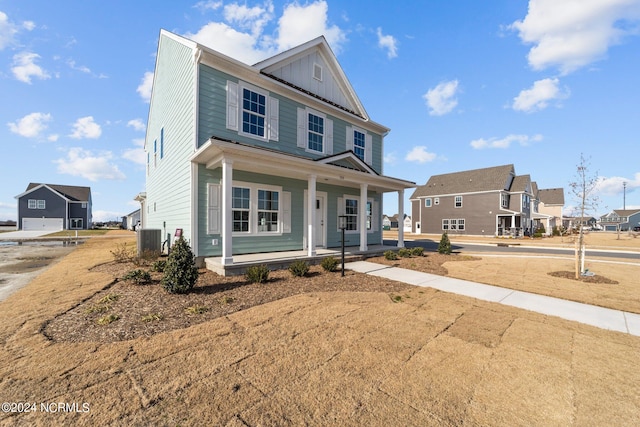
{"points": [[282, 260]]}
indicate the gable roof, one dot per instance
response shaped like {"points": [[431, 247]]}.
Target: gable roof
{"points": [[486, 179], [294, 66], [551, 196], [347, 159], [521, 183], [69, 192]]}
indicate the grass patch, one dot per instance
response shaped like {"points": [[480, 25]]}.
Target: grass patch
{"points": [[152, 317], [196, 309], [109, 298], [109, 318], [97, 308]]}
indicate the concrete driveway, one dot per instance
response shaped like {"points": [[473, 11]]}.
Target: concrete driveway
{"points": [[20, 234]]}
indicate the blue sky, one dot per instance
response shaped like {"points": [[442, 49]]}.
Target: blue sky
{"points": [[462, 84]]}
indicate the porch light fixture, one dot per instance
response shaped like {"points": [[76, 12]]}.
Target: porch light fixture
{"points": [[342, 225]]}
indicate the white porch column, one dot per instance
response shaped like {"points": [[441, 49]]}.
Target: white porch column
{"points": [[362, 213], [401, 219], [227, 214], [311, 216]]}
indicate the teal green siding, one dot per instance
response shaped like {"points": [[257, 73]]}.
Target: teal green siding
{"points": [[172, 113], [286, 241]]}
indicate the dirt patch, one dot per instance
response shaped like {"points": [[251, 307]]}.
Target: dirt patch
{"points": [[124, 310], [430, 263], [586, 279]]}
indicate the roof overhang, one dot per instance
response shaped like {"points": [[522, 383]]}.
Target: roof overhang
{"points": [[37, 187], [272, 162]]}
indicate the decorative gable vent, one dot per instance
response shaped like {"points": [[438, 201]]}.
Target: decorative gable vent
{"points": [[317, 72]]}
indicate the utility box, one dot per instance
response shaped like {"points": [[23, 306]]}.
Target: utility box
{"points": [[149, 240]]}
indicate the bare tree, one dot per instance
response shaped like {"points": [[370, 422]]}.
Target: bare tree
{"points": [[583, 189]]}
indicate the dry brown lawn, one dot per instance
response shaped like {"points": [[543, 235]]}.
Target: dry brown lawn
{"points": [[412, 357]]}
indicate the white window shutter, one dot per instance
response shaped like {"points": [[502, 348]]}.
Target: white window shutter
{"points": [[349, 138], [328, 131], [286, 212], [214, 212], [232, 105], [368, 149], [274, 106], [302, 128], [375, 216]]}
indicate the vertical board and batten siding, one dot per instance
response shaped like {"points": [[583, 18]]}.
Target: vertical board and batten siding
{"points": [[287, 241], [212, 120], [172, 109]]}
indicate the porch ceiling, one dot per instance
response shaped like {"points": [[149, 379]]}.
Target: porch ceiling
{"points": [[271, 162]]}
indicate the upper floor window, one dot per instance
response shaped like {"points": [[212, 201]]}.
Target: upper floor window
{"points": [[427, 202], [359, 141], [504, 200], [359, 144], [315, 131], [458, 202], [37, 204], [254, 109], [251, 111]]}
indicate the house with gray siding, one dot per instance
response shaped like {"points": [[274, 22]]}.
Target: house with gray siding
{"points": [[51, 207], [263, 158], [490, 201], [621, 219]]}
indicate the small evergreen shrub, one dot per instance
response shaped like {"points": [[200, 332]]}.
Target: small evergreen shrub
{"points": [[138, 276], [404, 252], [299, 268], [390, 255], [555, 231], [180, 272], [257, 274], [444, 247], [417, 251], [159, 265], [329, 264]]}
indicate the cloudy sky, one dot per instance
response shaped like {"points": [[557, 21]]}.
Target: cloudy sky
{"points": [[463, 84]]}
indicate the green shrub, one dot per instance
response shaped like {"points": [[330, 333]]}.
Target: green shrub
{"points": [[444, 247], [330, 264], [138, 276], [390, 255], [404, 253], [257, 274], [180, 272], [417, 251], [299, 268], [159, 265], [555, 231]]}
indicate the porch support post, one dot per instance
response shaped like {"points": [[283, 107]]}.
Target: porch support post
{"points": [[227, 214], [311, 217], [362, 211], [401, 218]]}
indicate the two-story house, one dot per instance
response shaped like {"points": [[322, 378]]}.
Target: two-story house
{"points": [[621, 219], [549, 204], [263, 158], [52, 207], [490, 201]]}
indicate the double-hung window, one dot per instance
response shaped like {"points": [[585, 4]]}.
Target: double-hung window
{"points": [[359, 143], [458, 202], [351, 211], [241, 205], [268, 207], [254, 110], [316, 133], [427, 202]]}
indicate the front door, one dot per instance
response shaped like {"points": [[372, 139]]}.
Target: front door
{"points": [[320, 220]]}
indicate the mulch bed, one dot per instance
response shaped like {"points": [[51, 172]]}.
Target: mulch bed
{"points": [[145, 310], [586, 279]]}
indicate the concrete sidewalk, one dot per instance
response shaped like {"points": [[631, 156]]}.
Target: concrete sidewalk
{"points": [[600, 317]]}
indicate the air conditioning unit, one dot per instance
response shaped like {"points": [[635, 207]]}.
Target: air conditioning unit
{"points": [[149, 240]]}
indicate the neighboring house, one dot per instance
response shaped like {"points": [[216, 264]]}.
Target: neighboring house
{"points": [[394, 221], [54, 207], [407, 224], [549, 213], [263, 158], [386, 222], [130, 221], [621, 219], [570, 222], [491, 201]]}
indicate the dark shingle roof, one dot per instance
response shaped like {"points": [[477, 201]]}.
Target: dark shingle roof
{"points": [[551, 196], [486, 179], [520, 183], [71, 192]]}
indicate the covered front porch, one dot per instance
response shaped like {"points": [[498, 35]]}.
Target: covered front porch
{"points": [[282, 260]]}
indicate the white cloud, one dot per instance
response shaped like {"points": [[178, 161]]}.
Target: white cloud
{"points": [[144, 89], [25, 67], [9, 30], [420, 154], [570, 34], [538, 96], [31, 126], [84, 163], [613, 186], [391, 158], [137, 124], [249, 18], [389, 43], [442, 98], [225, 39], [204, 6], [137, 154], [523, 140], [302, 23], [86, 127]]}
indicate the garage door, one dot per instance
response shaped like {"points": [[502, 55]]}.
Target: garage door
{"points": [[44, 224]]}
